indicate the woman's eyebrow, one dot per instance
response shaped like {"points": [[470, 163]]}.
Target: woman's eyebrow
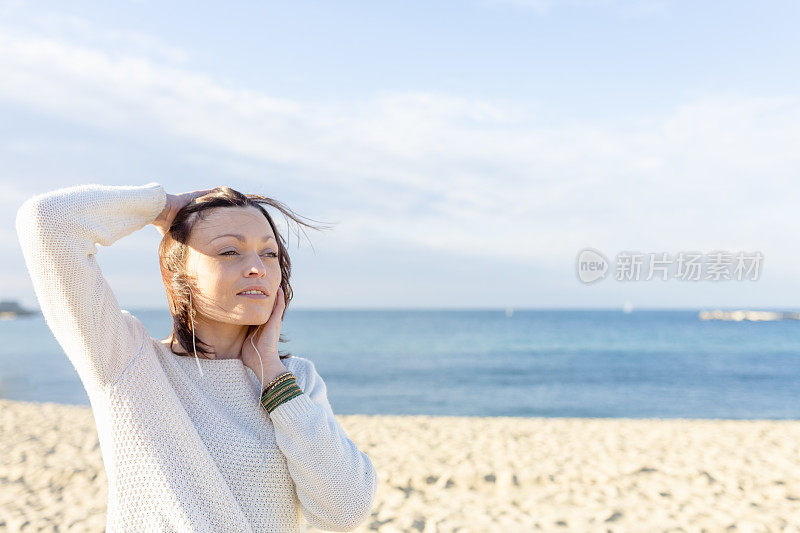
{"points": [[241, 238]]}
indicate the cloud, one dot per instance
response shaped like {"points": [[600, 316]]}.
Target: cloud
{"points": [[447, 171], [79, 30]]}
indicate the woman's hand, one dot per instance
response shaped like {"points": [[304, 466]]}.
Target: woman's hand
{"points": [[175, 202], [265, 338]]}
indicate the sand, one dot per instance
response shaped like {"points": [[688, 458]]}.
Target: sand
{"points": [[470, 474]]}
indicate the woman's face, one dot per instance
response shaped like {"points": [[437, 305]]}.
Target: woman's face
{"points": [[224, 265]]}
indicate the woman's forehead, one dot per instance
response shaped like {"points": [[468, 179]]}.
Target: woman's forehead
{"points": [[248, 222]]}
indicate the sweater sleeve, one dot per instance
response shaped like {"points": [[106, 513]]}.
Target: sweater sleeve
{"points": [[58, 232], [335, 482]]}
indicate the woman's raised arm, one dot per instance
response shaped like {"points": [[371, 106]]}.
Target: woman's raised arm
{"points": [[58, 232]]}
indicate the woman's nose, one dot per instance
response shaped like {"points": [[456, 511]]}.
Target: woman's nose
{"points": [[258, 266]]}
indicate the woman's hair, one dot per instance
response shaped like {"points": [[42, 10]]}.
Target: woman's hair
{"points": [[173, 253]]}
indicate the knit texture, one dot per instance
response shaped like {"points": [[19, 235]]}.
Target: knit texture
{"points": [[182, 452]]}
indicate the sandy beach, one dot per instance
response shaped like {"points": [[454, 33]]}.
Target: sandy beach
{"points": [[470, 474]]}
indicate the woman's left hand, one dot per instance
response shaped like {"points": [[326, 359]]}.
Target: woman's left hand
{"points": [[265, 338]]}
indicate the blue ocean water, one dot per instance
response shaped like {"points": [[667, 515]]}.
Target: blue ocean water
{"points": [[665, 364]]}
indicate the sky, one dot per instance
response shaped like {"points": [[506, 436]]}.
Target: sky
{"points": [[464, 153]]}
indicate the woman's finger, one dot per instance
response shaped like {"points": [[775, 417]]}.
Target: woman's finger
{"points": [[280, 303]]}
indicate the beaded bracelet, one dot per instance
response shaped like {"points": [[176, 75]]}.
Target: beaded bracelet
{"points": [[280, 392], [276, 379]]}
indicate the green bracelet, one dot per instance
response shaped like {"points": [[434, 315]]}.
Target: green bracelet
{"points": [[270, 404], [280, 392]]}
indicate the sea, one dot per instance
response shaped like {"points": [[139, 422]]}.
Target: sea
{"points": [[518, 363]]}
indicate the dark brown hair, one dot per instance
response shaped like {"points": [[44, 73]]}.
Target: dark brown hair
{"points": [[173, 252]]}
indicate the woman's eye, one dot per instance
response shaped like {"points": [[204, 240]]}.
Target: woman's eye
{"points": [[271, 254]]}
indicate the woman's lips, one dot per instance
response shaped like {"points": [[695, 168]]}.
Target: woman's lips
{"points": [[256, 296]]}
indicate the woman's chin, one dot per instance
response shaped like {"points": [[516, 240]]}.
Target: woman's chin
{"points": [[254, 317]]}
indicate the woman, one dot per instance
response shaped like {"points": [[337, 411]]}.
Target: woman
{"points": [[232, 438]]}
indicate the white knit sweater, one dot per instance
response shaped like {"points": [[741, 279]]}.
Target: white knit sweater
{"points": [[182, 452]]}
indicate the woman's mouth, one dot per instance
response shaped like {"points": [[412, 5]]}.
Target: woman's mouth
{"points": [[253, 294], [258, 296]]}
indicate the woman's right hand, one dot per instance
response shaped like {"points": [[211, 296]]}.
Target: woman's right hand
{"points": [[175, 202]]}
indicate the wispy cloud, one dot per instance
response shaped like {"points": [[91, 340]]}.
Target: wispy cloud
{"points": [[445, 170]]}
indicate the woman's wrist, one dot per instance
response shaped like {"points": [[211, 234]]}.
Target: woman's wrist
{"points": [[277, 379], [164, 214], [271, 372]]}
